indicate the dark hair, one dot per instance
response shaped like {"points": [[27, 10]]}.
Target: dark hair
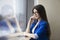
{"points": [[42, 13]]}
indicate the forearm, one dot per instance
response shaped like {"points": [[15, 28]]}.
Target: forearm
{"points": [[22, 34], [28, 26]]}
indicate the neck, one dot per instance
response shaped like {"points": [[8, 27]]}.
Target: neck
{"points": [[39, 19]]}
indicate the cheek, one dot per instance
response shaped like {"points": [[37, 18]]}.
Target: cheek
{"points": [[37, 17]]}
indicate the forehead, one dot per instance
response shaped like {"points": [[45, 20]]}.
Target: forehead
{"points": [[34, 10]]}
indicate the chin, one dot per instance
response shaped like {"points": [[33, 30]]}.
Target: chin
{"points": [[37, 18]]}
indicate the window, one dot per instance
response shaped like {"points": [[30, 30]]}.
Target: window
{"points": [[12, 8]]}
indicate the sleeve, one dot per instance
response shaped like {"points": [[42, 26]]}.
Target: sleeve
{"points": [[42, 28]]}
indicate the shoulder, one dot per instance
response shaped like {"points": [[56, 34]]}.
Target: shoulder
{"points": [[43, 22]]}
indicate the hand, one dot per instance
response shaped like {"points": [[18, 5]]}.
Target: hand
{"points": [[32, 18]]}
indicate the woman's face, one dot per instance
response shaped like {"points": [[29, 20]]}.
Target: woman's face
{"points": [[36, 14]]}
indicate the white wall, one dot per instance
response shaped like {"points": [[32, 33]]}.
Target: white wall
{"points": [[53, 12]]}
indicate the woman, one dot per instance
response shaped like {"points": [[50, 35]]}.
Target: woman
{"points": [[38, 26]]}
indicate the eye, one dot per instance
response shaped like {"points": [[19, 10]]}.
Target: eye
{"points": [[35, 14]]}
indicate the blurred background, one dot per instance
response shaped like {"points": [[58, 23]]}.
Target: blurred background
{"points": [[22, 9]]}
